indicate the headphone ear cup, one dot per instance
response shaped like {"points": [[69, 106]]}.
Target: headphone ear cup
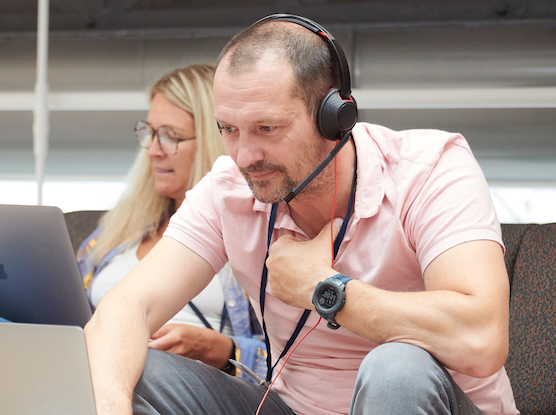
{"points": [[336, 115]]}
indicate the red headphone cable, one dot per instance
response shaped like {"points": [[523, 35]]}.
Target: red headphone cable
{"points": [[334, 204], [320, 318], [284, 364]]}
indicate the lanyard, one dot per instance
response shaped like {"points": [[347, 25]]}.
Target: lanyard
{"points": [[204, 320], [264, 280]]}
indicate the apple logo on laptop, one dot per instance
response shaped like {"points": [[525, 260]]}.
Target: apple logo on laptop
{"points": [[3, 275]]}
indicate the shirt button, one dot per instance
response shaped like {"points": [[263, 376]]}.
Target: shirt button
{"points": [[232, 303]]}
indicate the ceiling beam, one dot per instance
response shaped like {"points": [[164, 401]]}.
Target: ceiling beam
{"points": [[78, 101], [463, 98], [122, 16], [460, 98]]}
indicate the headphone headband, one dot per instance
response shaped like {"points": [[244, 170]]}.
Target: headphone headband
{"points": [[337, 112], [333, 46]]}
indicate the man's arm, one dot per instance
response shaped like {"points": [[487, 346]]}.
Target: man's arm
{"points": [[461, 319], [118, 334]]}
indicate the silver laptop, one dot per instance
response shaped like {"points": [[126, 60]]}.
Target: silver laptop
{"points": [[40, 280], [44, 370]]}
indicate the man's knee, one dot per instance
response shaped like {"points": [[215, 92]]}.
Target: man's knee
{"points": [[397, 361], [400, 374], [173, 384], [157, 362], [158, 369], [166, 384]]}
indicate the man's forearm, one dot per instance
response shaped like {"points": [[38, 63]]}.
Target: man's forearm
{"points": [[446, 324], [462, 319], [117, 338]]}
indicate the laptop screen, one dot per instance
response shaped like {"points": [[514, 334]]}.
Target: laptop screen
{"points": [[40, 281]]}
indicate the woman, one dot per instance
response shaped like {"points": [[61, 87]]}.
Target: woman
{"points": [[180, 141]]}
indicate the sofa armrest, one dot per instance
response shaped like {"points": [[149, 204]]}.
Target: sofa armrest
{"points": [[531, 363], [80, 225], [513, 235]]}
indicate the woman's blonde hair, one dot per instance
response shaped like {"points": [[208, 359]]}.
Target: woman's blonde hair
{"points": [[141, 208]]}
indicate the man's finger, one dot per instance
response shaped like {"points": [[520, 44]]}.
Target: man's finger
{"points": [[161, 332], [337, 225]]}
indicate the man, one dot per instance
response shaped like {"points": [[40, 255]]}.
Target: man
{"points": [[428, 291]]}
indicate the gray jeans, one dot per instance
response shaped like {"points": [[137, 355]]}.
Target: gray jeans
{"points": [[395, 378]]}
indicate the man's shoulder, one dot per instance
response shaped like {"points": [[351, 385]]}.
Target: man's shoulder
{"points": [[225, 170], [416, 145], [226, 182], [224, 166]]}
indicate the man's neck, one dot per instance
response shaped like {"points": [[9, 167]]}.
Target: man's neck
{"points": [[312, 213]]}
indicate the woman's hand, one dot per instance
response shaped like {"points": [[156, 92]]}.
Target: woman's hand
{"points": [[202, 344]]}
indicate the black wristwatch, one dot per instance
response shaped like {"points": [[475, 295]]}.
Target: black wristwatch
{"points": [[329, 298], [229, 367]]}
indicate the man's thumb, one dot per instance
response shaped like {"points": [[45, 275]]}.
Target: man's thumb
{"points": [[336, 226]]}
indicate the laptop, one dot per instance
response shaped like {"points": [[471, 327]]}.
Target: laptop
{"points": [[40, 281], [44, 370]]}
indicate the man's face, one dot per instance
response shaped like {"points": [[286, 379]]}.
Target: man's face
{"points": [[268, 131]]}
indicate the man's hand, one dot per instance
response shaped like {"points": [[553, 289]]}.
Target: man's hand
{"points": [[296, 267], [198, 343]]}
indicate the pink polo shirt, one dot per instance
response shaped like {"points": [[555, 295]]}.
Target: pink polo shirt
{"points": [[418, 193]]}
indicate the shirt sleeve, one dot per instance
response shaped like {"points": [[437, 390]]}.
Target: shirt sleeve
{"points": [[84, 257], [452, 206], [197, 224], [250, 345]]}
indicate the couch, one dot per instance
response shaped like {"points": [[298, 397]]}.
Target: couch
{"points": [[531, 365], [531, 264]]}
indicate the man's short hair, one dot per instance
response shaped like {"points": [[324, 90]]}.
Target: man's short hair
{"points": [[316, 72]]}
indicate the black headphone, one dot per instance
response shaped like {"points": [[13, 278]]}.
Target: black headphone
{"points": [[337, 112]]}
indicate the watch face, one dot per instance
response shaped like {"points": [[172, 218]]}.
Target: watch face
{"points": [[328, 297]]}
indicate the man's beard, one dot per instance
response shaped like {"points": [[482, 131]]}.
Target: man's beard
{"points": [[257, 187], [312, 155]]}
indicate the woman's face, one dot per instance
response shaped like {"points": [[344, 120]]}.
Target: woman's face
{"points": [[171, 172]]}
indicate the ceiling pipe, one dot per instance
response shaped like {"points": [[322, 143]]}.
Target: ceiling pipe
{"points": [[41, 127]]}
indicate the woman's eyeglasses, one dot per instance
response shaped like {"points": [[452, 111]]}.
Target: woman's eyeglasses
{"points": [[167, 137]]}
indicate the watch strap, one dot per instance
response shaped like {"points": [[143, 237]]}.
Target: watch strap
{"points": [[229, 367], [342, 278]]}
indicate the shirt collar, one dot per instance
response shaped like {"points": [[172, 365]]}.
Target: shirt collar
{"points": [[283, 218], [369, 190]]}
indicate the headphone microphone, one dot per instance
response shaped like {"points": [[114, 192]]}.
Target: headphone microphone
{"points": [[320, 167], [337, 112]]}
